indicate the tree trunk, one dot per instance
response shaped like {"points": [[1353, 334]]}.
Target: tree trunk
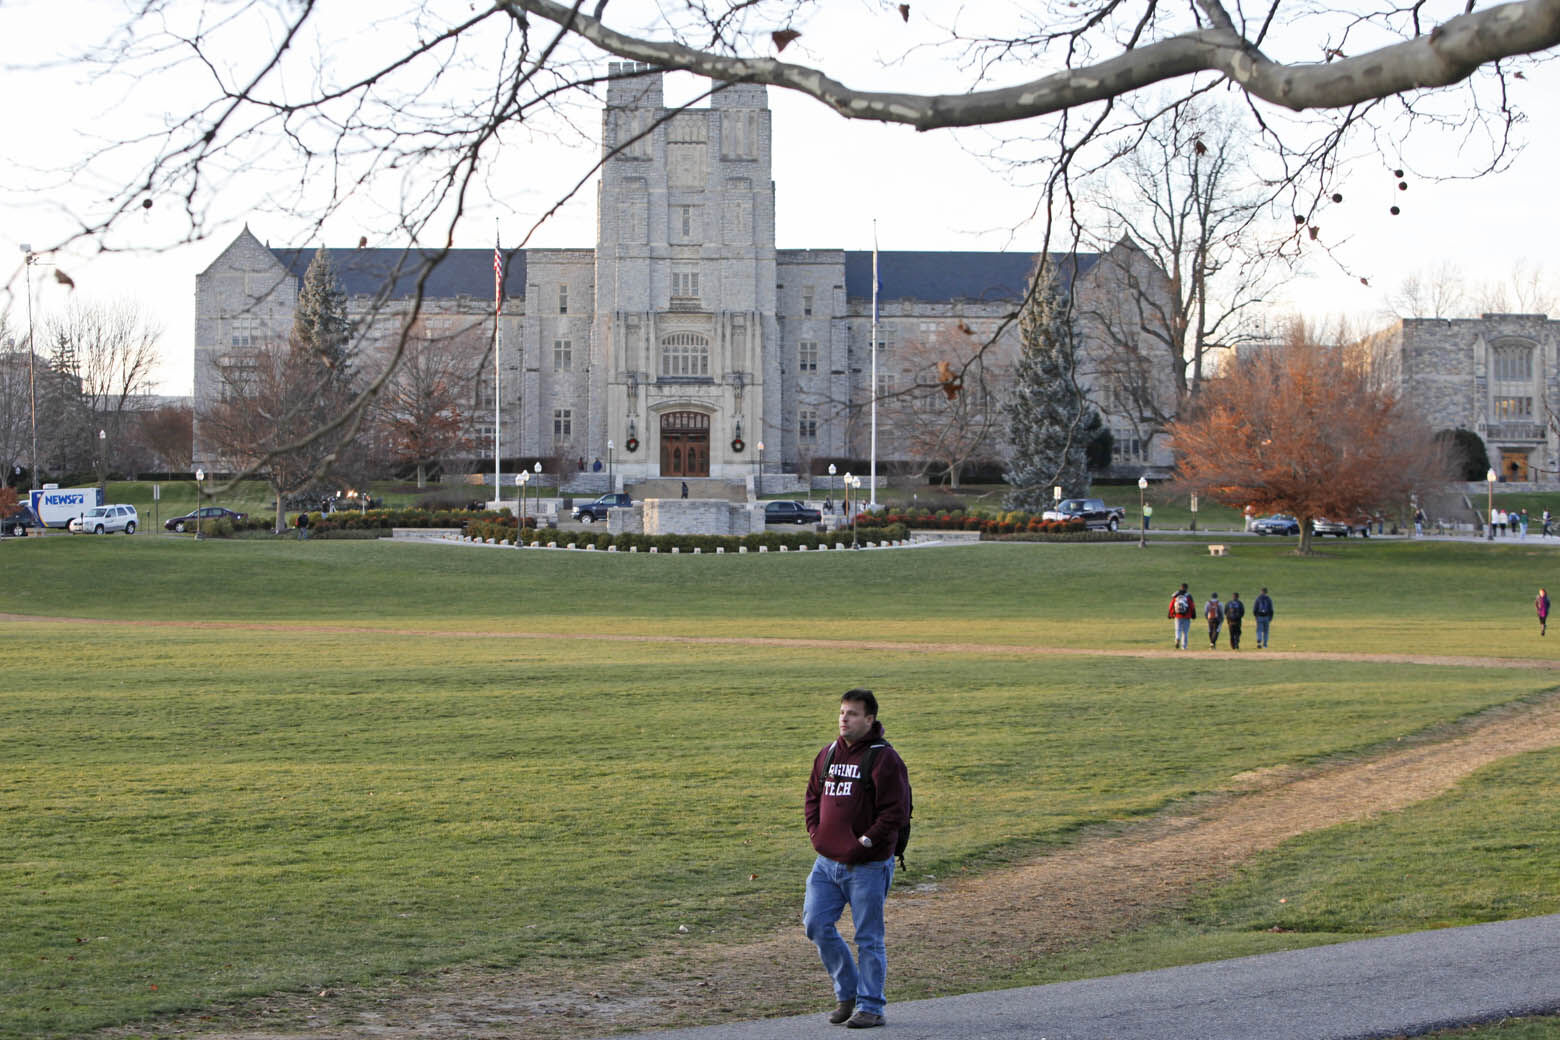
{"points": [[1304, 548], [422, 476], [281, 517]]}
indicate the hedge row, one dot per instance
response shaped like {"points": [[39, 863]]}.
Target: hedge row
{"points": [[374, 523], [986, 522], [504, 531]]}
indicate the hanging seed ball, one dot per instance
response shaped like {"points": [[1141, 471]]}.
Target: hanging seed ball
{"points": [[1395, 211], [1299, 219], [1397, 173], [1402, 185], [1337, 197]]}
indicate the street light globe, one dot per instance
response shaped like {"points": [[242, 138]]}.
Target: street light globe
{"points": [[200, 474], [1142, 483], [760, 445], [831, 469], [1490, 476], [609, 445], [522, 477], [538, 465]]}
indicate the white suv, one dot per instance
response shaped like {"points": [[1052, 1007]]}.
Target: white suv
{"points": [[104, 519]]}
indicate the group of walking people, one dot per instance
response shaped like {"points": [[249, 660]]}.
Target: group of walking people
{"points": [[1230, 614]]}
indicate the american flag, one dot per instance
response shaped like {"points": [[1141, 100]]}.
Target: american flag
{"points": [[498, 271]]}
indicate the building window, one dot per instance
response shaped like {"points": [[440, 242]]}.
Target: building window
{"points": [[807, 356], [685, 223], [563, 424], [685, 282], [1513, 407], [1513, 364], [807, 424], [563, 355], [563, 299], [887, 385], [245, 330], [807, 301], [685, 355]]}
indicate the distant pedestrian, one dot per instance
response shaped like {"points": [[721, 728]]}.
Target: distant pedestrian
{"points": [[303, 527], [1523, 522], [1262, 610], [1182, 609], [595, 466], [1148, 517], [1541, 604], [1213, 611], [1419, 523], [685, 489], [1234, 614], [1548, 519]]}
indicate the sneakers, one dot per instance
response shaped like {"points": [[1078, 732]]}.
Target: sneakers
{"points": [[864, 1020], [841, 1012]]}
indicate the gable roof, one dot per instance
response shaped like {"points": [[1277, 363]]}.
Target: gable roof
{"points": [[936, 276], [366, 272]]}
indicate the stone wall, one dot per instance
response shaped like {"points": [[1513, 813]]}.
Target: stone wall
{"points": [[688, 516]]}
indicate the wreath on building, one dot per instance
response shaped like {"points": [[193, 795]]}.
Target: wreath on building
{"points": [[737, 445], [631, 445]]}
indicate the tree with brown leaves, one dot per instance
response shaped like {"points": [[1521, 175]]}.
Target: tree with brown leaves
{"points": [[1298, 428]]}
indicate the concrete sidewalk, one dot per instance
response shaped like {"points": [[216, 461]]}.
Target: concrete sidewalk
{"points": [[1405, 984]]}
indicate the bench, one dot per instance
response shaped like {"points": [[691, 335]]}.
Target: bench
{"points": [[1217, 550]]}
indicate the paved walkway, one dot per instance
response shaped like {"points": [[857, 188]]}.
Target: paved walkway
{"points": [[1401, 985]]}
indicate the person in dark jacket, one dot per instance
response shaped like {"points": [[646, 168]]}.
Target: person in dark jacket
{"points": [[1234, 614], [1213, 611], [854, 823], [1262, 610]]}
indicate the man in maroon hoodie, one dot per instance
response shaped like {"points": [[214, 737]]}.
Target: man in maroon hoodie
{"points": [[854, 818]]}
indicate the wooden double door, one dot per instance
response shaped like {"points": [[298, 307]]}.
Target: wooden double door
{"points": [[685, 444]]}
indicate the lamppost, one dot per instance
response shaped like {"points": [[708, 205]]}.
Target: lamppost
{"points": [[852, 484], [103, 463], [537, 469], [1489, 513], [831, 485], [1142, 521], [200, 477], [521, 480], [845, 494], [758, 481], [610, 486]]}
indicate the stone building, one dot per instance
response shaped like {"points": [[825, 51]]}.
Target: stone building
{"points": [[685, 339], [1497, 375]]}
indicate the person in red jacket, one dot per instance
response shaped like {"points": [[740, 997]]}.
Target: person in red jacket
{"points": [[854, 819], [1182, 609]]}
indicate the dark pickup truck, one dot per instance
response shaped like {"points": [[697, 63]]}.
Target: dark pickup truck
{"points": [[597, 510], [1092, 511], [783, 512]]}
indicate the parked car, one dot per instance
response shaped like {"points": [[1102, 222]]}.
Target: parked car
{"points": [[597, 510], [1092, 511], [790, 512], [106, 520], [1340, 528], [18, 524], [1278, 523], [206, 513]]}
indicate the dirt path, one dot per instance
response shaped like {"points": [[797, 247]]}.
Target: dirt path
{"points": [[947, 937]]}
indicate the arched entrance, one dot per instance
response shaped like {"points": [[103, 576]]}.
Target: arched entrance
{"points": [[685, 444]]}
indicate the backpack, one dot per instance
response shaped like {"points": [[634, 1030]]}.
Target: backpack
{"points": [[903, 840], [1182, 604], [1234, 610]]}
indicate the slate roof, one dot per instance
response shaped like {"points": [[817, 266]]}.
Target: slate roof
{"points": [[467, 272], [939, 277]]}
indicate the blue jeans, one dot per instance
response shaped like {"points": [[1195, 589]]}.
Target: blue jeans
{"points": [[1183, 631], [865, 887], [1262, 625]]}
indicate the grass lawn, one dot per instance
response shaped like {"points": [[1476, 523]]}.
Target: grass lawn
{"points": [[406, 757]]}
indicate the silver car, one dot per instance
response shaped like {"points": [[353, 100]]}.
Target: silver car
{"points": [[106, 519]]}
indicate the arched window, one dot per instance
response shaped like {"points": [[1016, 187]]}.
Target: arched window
{"points": [[1513, 364], [685, 355]]}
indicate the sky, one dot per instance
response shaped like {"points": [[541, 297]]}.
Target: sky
{"points": [[837, 182]]}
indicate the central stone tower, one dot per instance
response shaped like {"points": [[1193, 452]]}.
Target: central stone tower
{"points": [[685, 326]]}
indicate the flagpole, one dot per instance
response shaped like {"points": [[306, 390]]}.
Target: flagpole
{"points": [[872, 461], [498, 346]]}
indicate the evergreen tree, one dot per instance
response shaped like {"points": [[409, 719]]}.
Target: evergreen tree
{"points": [[1050, 420], [320, 325]]}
